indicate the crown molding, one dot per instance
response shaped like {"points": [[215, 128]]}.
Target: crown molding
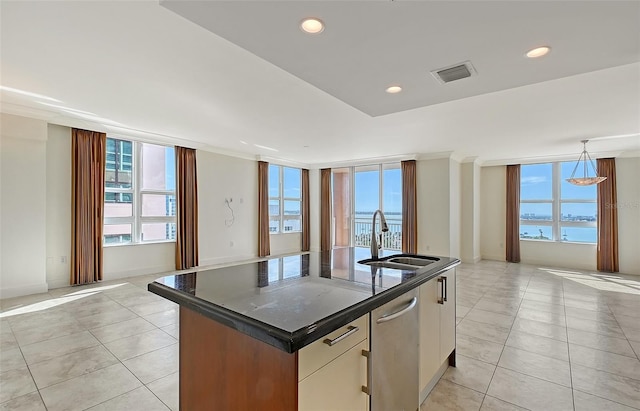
{"points": [[553, 158], [366, 161], [281, 161]]}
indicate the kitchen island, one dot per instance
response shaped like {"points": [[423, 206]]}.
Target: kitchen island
{"points": [[257, 335]]}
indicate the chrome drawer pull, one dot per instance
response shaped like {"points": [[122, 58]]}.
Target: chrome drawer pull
{"points": [[442, 299], [397, 314], [350, 330], [367, 389]]}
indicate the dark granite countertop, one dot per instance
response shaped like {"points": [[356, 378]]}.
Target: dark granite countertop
{"points": [[289, 302]]}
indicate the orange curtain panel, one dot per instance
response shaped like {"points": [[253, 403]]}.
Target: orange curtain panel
{"points": [[513, 214], [409, 208], [325, 209], [187, 201], [607, 257], [264, 245], [88, 149]]}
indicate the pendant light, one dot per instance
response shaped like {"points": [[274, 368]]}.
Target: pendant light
{"points": [[585, 180]]}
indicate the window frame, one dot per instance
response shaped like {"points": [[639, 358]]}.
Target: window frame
{"points": [[281, 200], [137, 220], [380, 168], [556, 202]]}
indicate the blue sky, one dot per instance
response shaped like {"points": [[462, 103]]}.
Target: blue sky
{"points": [[536, 184], [170, 167], [367, 190]]}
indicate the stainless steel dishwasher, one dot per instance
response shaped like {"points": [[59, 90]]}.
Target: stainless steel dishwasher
{"points": [[394, 355]]}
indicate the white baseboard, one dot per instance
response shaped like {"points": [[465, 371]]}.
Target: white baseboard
{"points": [[10, 292], [58, 284], [216, 261], [116, 275], [493, 257]]}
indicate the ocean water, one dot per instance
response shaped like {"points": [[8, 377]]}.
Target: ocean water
{"points": [[570, 234]]}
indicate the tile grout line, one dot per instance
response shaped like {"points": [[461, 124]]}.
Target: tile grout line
{"points": [[38, 390], [573, 397], [503, 345]]}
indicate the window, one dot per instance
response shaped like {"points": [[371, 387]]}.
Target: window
{"points": [[285, 198], [552, 209], [140, 193], [374, 187]]}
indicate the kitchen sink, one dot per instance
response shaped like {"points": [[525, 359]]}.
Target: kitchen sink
{"points": [[401, 261], [389, 264], [420, 262]]}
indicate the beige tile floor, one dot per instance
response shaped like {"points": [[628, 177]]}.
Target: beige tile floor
{"points": [[528, 337], [538, 338]]}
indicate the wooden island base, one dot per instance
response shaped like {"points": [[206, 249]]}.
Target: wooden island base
{"points": [[223, 369]]}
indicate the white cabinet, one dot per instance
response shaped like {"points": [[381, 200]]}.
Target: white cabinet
{"points": [[337, 385], [447, 314], [429, 334], [437, 328], [333, 370]]}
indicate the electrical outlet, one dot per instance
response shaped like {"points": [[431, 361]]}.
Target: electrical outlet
{"points": [[230, 243], [63, 259]]}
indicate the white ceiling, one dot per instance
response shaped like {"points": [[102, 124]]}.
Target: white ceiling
{"points": [[146, 72], [368, 45]]}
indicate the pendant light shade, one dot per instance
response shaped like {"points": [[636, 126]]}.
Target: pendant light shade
{"points": [[585, 180]]}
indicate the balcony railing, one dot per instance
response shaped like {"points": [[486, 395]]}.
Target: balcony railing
{"points": [[391, 240]]}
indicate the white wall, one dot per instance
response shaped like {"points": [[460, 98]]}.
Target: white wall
{"points": [[470, 212], [432, 177], [122, 261], [455, 211], [221, 177], [570, 255], [492, 213], [285, 243], [628, 188], [58, 213], [477, 183], [22, 206], [438, 195], [558, 254]]}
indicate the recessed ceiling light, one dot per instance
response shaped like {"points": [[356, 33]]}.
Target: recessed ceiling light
{"points": [[538, 52], [393, 89], [312, 25]]}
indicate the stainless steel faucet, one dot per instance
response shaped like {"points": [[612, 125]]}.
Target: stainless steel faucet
{"points": [[375, 246]]}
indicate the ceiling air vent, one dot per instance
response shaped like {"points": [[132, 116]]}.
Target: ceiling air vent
{"points": [[455, 72]]}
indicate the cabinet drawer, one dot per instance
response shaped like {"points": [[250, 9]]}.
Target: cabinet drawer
{"points": [[317, 354], [337, 386]]}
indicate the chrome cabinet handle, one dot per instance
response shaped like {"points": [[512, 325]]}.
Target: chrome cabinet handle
{"points": [[441, 298], [445, 289], [397, 314], [350, 330], [367, 389]]}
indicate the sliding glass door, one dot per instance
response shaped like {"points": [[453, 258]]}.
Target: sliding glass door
{"points": [[357, 193]]}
